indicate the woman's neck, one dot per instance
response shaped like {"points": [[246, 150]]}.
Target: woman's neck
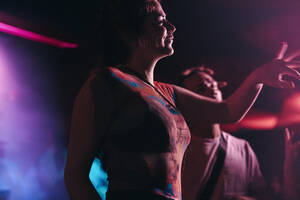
{"points": [[142, 66]]}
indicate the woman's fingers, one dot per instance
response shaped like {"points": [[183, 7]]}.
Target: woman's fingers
{"points": [[292, 56], [286, 84], [293, 64], [290, 72], [282, 51], [283, 83]]}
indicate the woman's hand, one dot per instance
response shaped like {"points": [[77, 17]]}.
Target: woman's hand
{"points": [[272, 73]]}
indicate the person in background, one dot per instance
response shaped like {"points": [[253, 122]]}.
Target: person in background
{"points": [[289, 120], [240, 176], [291, 175]]}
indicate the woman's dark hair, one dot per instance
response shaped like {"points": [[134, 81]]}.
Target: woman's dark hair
{"points": [[122, 24]]}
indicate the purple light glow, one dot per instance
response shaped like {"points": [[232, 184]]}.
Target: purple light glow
{"points": [[34, 36], [32, 153]]}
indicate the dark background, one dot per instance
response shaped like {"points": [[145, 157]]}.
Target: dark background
{"points": [[232, 37]]}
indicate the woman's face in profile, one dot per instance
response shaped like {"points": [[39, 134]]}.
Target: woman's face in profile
{"points": [[157, 33]]}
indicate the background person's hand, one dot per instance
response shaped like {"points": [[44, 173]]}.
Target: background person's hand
{"points": [[292, 153], [292, 149]]}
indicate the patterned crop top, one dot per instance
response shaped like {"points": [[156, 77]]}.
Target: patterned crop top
{"points": [[145, 141]]}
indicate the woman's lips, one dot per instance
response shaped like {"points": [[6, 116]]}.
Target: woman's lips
{"points": [[169, 38]]}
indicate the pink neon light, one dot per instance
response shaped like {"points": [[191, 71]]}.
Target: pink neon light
{"points": [[35, 37]]}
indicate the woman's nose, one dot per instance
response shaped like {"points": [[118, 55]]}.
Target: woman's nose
{"points": [[171, 28]]}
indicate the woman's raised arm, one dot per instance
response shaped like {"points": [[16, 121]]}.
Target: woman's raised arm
{"points": [[196, 107]]}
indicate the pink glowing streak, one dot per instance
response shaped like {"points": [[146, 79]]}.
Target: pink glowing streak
{"points": [[35, 37]]}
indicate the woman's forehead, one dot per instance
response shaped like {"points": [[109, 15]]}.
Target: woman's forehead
{"points": [[155, 8]]}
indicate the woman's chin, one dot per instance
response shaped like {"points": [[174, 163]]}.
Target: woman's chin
{"points": [[168, 51], [171, 52]]}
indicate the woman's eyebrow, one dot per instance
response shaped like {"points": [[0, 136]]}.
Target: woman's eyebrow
{"points": [[161, 15]]}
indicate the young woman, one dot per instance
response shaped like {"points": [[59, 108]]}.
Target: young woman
{"points": [[136, 125]]}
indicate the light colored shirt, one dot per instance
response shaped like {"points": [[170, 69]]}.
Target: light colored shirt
{"points": [[240, 175]]}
